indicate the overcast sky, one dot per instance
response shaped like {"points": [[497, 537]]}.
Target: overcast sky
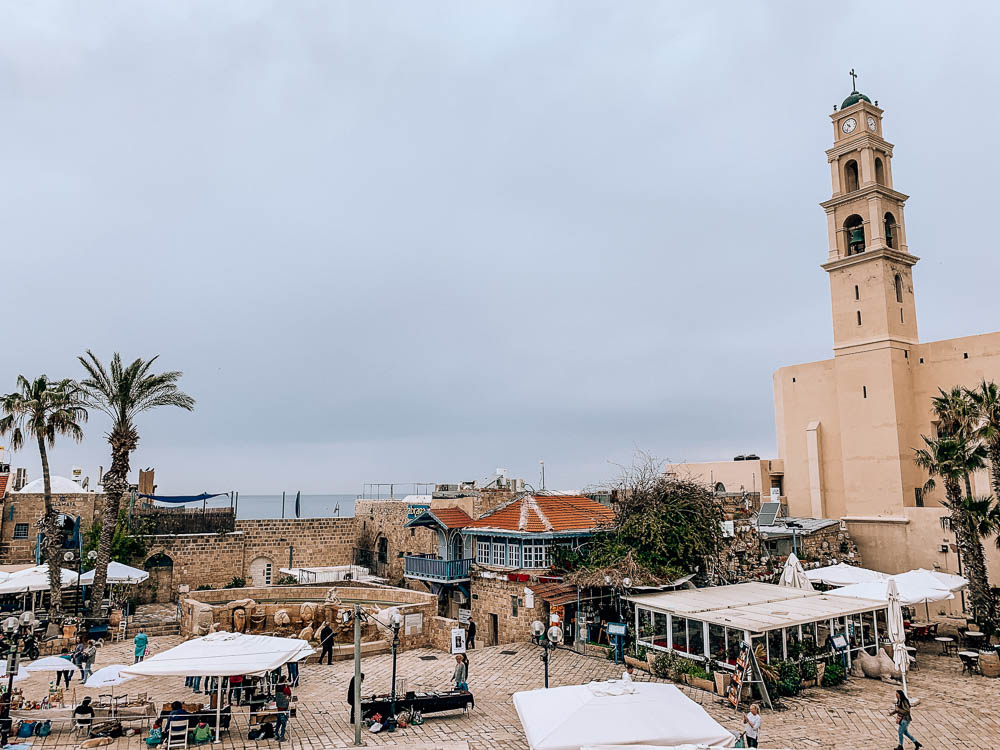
{"points": [[418, 241]]}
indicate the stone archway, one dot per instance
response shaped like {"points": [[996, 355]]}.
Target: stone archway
{"points": [[160, 586]]}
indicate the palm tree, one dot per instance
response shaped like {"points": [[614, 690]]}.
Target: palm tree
{"points": [[952, 459], [42, 409], [123, 392], [956, 416], [985, 400]]}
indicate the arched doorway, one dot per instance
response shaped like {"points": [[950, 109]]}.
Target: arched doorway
{"points": [[261, 572], [161, 577]]}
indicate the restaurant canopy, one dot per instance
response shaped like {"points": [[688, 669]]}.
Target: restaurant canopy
{"points": [[117, 573], [574, 716], [911, 591], [222, 654], [35, 578], [843, 575]]}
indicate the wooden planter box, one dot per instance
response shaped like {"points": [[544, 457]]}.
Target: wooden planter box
{"points": [[650, 658], [701, 684], [638, 663], [722, 680], [594, 649], [820, 669]]}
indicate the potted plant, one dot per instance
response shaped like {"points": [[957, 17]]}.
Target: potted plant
{"points": [[69, 628], [639, 660], [700, 679]]}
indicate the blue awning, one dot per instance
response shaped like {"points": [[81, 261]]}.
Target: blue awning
{"points": [[183, 498]]}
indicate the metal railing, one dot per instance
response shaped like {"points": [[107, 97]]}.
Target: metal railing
{"points": [[436, 569]]}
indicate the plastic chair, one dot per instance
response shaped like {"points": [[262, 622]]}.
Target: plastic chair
{"points": [[81, 728], [177, 735]]}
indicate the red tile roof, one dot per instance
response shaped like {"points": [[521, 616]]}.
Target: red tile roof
{"points": [[451, 518], [542, 513]]}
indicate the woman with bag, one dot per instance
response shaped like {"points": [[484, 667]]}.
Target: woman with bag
{"points": [[903, 718]]}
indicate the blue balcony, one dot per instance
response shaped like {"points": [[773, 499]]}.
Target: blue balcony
{"points": [[435, 569]]}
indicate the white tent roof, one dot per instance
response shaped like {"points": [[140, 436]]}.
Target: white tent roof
{"points": [[220, 654], [912, 590], [34, 579], [59, 486], [568, 718], [948, 581], [843, 575], [117, 573]]}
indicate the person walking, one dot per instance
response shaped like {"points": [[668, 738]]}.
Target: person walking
{"points": [[141, 642], [470, 637], [293, 673], [89, 655], [77, 657], [283, 701], [461, 674], [65, 674], [751, 725], [350, 695], [903, 718], [326, 641]]}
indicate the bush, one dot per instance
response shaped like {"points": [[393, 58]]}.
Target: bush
{"points": [[808, 670], [286, 580], [203, 587], [236, 583], [699, 673], [640, 653], [789, 677], [665, 665], [833, 674]]}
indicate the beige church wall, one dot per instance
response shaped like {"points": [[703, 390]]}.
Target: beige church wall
{"points": [[811, 397]]}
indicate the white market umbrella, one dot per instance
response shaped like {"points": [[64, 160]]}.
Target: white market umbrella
{"points": [[570, 717], [34, 579], [221, 654], [19, 675], [897, 633], [109, 676], [793, 575], [911, 592], [949, 581], [842, 574], [50, 664], [117, 573]]}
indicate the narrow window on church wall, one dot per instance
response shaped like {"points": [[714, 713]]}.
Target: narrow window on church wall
{"points": [[864, 391], [859, 317], [857, 292]]}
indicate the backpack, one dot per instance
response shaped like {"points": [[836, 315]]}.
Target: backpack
{"points": [[26, 729], [43, 728]]}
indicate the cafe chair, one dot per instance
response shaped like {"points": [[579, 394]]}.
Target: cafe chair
{"points": [[177, 735], [970, 663]]}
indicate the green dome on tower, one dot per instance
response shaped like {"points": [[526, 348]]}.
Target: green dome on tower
{"points": [[854, 98]]}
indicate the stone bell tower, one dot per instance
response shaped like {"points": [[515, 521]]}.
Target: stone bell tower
{"points": [[874, 317], [869, 263]]}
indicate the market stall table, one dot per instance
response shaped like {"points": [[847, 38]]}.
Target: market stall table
{"points": [[426, 703]]}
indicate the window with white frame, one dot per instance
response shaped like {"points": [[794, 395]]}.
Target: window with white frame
{"points": [[483, 552], [536, 555], [500, 554], [514, 554]]}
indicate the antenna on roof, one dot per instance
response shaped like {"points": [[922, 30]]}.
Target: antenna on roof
{"points": [[542, 463]]}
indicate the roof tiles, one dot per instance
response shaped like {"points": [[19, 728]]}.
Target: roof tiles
{"points": [[542, 513]]}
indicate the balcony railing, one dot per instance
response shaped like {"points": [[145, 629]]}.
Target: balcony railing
{"points": [[434, 569]]}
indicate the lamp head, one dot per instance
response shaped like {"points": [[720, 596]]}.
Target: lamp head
{"points": [[27, 617], [627, 582], [92, 555], [607, 580], [10, 625], [68, 556], [555, 634], [345, 617], [537, 627], [397, 619]]}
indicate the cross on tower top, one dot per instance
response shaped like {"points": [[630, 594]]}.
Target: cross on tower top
{"points": [[854, 80]]}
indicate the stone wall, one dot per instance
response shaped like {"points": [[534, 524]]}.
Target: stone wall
{"points": [[215, 559], [384, 519], [28, 509], [499, 611]]}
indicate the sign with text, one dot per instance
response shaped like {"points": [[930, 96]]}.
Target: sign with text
{"points": [[464, 616], [458, 640], [741, 675]]}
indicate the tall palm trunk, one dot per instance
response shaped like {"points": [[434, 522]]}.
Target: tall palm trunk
{"points": [[993, 449], [115, 489], [53, 539], [970, 546]]}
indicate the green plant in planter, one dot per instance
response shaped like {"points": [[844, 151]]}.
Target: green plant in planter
{"points": [[699, 673], [640, 652], [789, 677], [834, 673], [808, 670], [665, 665]]}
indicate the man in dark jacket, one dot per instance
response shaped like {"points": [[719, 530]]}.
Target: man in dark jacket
{"points": [[470, 636], [326, 641], [350, 695]]}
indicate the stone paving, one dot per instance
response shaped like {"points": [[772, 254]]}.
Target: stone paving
{"points": [[956, 711]]}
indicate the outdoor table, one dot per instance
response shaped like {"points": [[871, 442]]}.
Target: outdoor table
{"points": [[426, 703], [970, 661], [947, 644], [973, 637], [912, 652]]}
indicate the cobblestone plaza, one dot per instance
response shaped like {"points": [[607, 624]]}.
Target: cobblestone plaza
{"points": [[956, 710]]}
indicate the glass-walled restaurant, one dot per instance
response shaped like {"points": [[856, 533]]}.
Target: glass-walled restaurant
{"points": [[711, 623]]}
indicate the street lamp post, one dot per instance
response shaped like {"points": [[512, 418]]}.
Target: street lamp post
{"points": [[395, 622], [68, 557], [548, 641], [12, 638]]}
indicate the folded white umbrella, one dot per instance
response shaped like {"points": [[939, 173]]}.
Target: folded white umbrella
{"points": [[117, 573], [793, 575], [896, 632], [50, 664], [842, 574], [108, 676]]}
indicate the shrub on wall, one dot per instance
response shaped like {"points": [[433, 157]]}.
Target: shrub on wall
{"points": [[236, 583]]}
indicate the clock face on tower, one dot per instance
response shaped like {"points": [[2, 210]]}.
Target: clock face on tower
{"points": [[871, 123], [849, 124]]}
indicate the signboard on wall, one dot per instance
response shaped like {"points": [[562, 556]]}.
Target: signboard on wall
{"points": [[415, 511], [464, 616], [413, 624], [529, 598], [740, 676], [458, 640]]}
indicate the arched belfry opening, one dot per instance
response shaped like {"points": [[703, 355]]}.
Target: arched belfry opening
{"points": [[854, 231], [879, 171], [851, 176], [890, 229]]}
